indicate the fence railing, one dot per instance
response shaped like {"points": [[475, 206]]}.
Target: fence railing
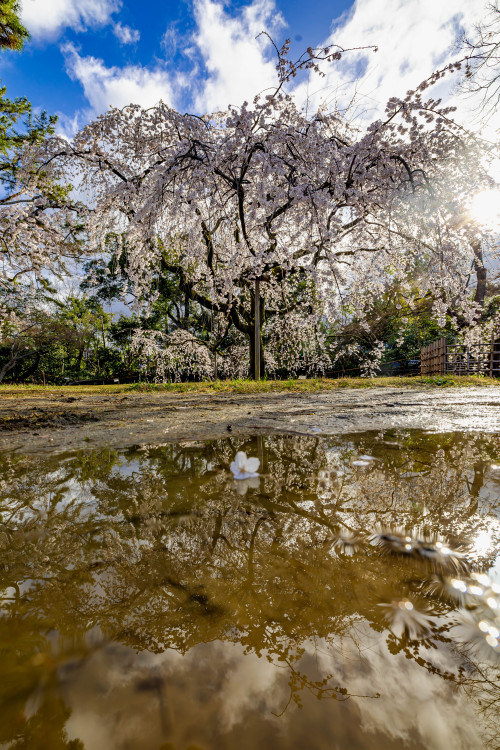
{"points": [[449, 357], [433, 357]]}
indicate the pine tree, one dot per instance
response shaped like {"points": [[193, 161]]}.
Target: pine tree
{"points": [[12, 32]]}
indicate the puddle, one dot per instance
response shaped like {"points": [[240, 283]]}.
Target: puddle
{"points": [[339, 600]]}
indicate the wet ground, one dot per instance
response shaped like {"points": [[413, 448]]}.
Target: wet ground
{"points": [[347, 597], [30, 422]]}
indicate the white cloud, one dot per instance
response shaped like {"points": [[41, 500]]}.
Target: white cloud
{"points": [[237, 65], [414, 37], [170, 41], [68, 125], [228, 65], [47, 18], [125, 34], [414, 706], [116, 86]]}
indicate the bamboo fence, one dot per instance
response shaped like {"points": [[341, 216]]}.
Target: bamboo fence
{"points": [[448, 357]]}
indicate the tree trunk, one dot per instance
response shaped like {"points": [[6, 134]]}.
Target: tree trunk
{"points": [[252, 341], [252, 357], [80, 357], [476, 486], [480, 273], [7, 366], [31, 369], [5, 369]]}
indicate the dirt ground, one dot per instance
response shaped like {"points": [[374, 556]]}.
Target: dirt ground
{"points": [[30, 422]]}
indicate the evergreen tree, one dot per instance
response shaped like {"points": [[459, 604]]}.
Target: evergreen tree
{"points": [[12, 32]]}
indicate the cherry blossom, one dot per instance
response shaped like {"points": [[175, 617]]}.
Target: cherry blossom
{"points": [[323, 214], [243, 467]]}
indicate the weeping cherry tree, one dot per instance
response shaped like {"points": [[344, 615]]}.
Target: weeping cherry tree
{"points": [[265, 210]]}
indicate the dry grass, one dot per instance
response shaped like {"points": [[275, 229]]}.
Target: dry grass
{"points": [[250, 386]]}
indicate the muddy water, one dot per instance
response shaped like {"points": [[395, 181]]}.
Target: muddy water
{"points": [[338, 600]]}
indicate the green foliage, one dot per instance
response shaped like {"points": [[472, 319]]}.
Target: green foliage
{"points": [[18, 128], [15, 112], [407, 328], [403, 322], [491, 307], [12, 32], [108, 279], [28, 194], [56, 340]]}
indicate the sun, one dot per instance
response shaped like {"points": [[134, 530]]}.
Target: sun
{"points": [[485, 208]]}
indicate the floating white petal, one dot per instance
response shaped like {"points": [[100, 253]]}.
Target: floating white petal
{"points": [[243, 467]]}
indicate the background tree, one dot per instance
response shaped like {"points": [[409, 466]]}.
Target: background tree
{"points": [[47, 338], [39, 225], [28, 334]]}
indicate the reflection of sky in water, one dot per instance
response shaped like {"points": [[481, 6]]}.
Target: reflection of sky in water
{"points": [[216, 690], [223, 609]]}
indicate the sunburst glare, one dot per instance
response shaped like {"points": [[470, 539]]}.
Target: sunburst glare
{"points": [[485, 208]]}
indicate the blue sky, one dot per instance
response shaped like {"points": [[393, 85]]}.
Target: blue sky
{"points": [[201, 55]]}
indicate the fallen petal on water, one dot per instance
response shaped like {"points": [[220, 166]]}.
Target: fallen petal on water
{"points": [[404, 619]]}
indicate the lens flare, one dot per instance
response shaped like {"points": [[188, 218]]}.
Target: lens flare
{"points": [[485, 208]]}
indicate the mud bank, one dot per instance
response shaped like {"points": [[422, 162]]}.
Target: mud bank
{"points": [[31, 423]]}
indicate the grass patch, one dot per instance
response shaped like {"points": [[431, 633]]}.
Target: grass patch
{"points": [[311, 385], [27, 389], [251, 386]]}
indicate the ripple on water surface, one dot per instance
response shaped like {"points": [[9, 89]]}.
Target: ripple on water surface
{"points": [[346, 597]]}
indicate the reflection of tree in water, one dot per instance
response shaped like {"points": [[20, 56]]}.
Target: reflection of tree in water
{"points": [[158, 549]]}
